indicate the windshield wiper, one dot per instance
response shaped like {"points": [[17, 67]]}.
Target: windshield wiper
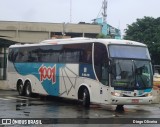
{"points": [[139, 82]]}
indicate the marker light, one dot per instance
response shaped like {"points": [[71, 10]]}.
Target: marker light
{"points": [[148, 94]]}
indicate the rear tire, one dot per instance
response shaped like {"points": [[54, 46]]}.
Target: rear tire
{"points": [[28, 89], [86, 98], [20, 88]]}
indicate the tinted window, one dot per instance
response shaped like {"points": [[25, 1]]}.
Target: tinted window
{"points": [[48, 53], [69, 53], [124, 51], [78, 53], [13, 54]]}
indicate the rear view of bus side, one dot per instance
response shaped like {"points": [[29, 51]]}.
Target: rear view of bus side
{"points": [[105, 71]]}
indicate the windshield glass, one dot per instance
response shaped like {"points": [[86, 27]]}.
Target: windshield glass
{"points": [[126, 51], [131, 74]]}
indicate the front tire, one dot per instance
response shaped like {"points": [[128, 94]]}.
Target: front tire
{"points": [[28, 89], [86, 98]]}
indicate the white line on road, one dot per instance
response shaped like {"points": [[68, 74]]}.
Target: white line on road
{"points": [[4, 99], [16, 98]]}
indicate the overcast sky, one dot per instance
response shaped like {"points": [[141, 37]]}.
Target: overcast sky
{"points": [[119, 12]]}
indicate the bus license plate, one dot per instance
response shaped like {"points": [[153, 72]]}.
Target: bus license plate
{"points": [[135, 100]]}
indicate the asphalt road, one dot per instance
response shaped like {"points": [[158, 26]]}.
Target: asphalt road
{"points": [[13, 106]]}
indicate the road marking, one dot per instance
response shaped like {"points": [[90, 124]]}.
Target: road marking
{"points": [[16, 98], [24, 97], [4, 99], [30, 98]]}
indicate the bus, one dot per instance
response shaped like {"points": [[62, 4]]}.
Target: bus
{"points": [[104, 71]]}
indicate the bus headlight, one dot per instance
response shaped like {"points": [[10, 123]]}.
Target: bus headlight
{"points": [[116, 94], [148, 94]]}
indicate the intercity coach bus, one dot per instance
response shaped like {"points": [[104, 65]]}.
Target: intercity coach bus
{"points": [[104, 71]]}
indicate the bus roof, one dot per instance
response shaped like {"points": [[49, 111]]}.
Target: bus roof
{"points": [[81, 40]]}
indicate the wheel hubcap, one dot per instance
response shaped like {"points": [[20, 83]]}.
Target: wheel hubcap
{"points": [[27, 90], [84, 97], [20, 89]]}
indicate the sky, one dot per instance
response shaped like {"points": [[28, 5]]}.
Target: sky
{"points": [[119, 12]]}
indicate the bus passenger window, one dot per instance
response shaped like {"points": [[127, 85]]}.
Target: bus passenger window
{"points": [[89, 56]]}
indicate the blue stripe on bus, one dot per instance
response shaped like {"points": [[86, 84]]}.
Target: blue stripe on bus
{"points": [[86, 70], [49, 82], [148, 90]]}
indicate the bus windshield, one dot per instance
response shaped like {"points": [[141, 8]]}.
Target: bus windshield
{"points": [[126, 51], [131, 74]]}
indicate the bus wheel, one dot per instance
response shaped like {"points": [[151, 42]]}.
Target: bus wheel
{"points": [[85, 98], [28, 89], [20, 88]]}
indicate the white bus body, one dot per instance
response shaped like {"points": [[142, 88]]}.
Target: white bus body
{"points": [[107, 71]]}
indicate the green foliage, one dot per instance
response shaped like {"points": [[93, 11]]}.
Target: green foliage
{"points": [[100, 36], [146, 30]]}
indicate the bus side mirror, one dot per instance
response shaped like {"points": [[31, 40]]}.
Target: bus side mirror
{"points": [[109, 68]]}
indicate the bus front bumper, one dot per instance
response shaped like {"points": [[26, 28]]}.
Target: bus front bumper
{"points": [[131, 100]]}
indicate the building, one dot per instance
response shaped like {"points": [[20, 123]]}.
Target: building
{"points": [[108, 30], [12, 32]]}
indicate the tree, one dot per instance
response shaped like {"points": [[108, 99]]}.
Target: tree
{"points": [[146, 30], [101, 35]]}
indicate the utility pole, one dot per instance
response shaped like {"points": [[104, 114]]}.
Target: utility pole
{"points": [[104, 13], [70, 11]]}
